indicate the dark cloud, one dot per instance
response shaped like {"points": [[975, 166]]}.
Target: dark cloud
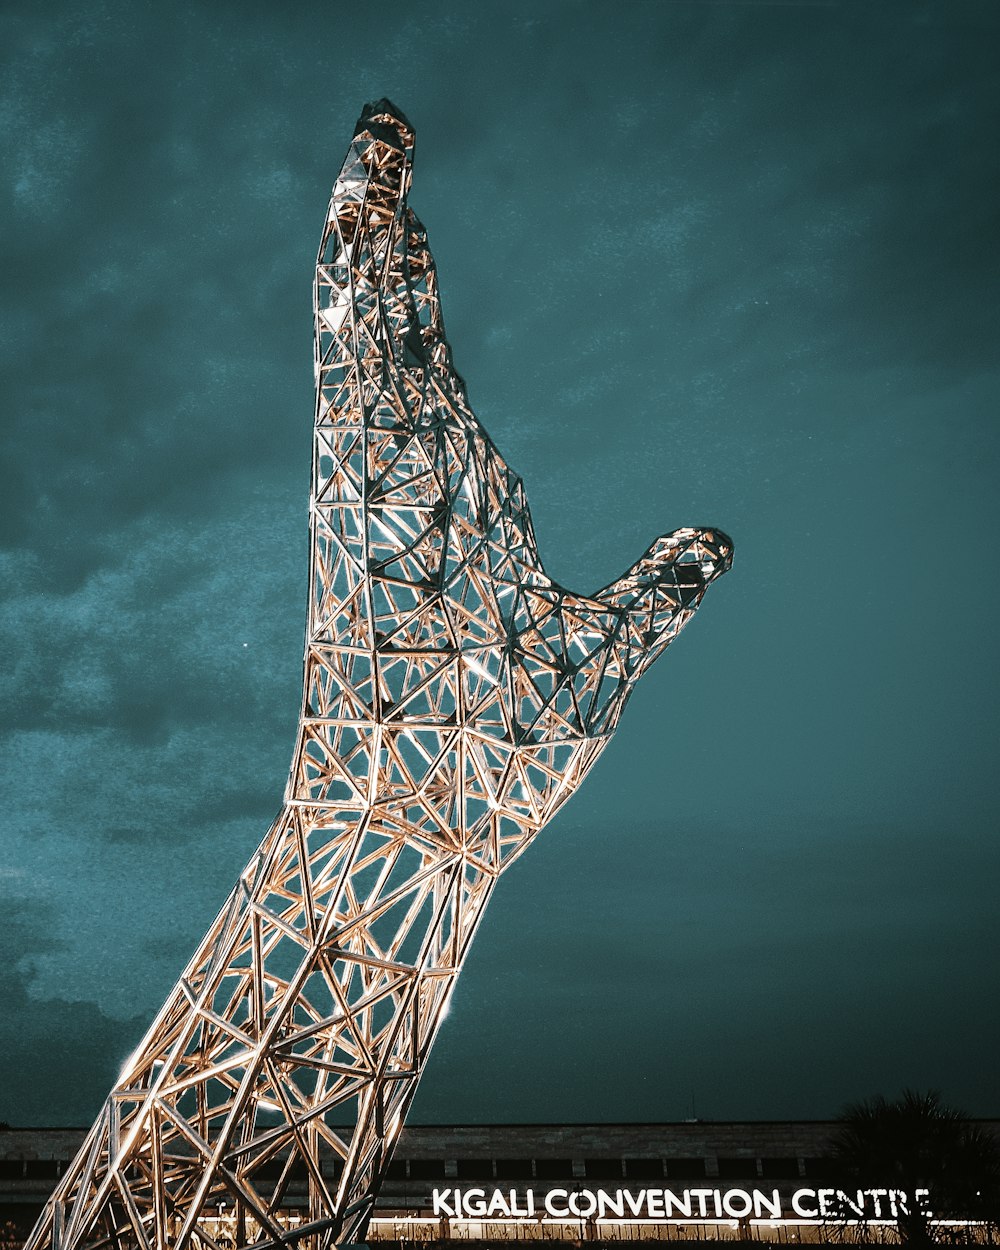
{"points": [[84, 1050]]}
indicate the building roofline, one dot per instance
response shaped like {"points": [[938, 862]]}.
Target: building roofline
{"points": [[513, 1124]]}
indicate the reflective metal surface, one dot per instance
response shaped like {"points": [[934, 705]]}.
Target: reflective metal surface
{"points": [[455, 697]]}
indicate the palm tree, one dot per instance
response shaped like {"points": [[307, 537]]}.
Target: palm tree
{"points": [[913, 1143]]}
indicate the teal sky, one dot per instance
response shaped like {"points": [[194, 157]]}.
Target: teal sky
{"points": [[729, 262]]}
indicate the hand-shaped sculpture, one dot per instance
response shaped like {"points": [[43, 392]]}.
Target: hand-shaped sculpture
{"points": [[454, 698]]}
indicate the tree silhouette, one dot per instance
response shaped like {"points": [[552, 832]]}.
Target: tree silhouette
{"points": [[915, 1143]]}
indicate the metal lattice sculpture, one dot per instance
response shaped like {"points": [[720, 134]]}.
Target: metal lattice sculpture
{"points": [[454, 698]]}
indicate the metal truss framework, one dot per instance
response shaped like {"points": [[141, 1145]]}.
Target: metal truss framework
{"points": [[454, 698]]}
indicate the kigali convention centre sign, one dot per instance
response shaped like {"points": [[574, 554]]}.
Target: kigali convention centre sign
{"points": [[669, 1204]]}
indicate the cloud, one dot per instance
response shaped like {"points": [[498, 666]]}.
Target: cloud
{"points": [[60, 1055]]}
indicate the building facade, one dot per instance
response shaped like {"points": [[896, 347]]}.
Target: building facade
{"points": [[692, 1181]]}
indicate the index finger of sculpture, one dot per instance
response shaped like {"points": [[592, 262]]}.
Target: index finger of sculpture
{"points": [[361, 297], [376, 295], [406, 482]]}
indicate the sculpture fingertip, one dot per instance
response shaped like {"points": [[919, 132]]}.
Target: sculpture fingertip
{"points": [[709, 548], [717, 542], [383, 120]]}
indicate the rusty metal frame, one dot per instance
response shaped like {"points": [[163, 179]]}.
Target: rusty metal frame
{"points": [[454, 698]]}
